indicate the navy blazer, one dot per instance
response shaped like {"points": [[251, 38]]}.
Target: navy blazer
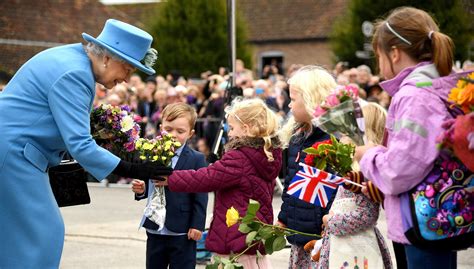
{"points": [[184, 210]]}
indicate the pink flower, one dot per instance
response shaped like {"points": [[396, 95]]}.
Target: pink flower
{"points": [[319, 111], [354, 89], [332, 100]]}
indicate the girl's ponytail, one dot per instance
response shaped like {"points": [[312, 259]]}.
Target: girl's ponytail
{"points": [[267, 148], [443, 47]]}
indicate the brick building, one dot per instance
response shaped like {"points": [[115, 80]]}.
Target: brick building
{"points": [[291, 31], [29, 26], [286, 31]]}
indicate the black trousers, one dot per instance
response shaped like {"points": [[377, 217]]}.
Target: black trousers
{"points": [[177, 252], [400, 255]]}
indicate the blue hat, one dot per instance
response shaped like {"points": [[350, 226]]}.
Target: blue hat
{"points": [[128, 42]]}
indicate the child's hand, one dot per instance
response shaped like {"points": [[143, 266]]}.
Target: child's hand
{"points": [[326, 218], [194, 234], [280, 224], [138, 186], [161, 183], [361, 150]]}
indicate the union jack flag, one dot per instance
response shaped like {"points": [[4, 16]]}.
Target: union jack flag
{"points": [[313, 185]]}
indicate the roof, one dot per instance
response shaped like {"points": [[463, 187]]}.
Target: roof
{"points": [[28, 27], [282, 20]]}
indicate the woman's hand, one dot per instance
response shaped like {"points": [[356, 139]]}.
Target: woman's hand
{"points": [[138, 186], [194, 234], [361, 150]]}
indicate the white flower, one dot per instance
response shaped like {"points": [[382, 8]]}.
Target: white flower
{"points": [[126, 123]]}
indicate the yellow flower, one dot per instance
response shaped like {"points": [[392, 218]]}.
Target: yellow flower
{"points": [[177, 144], [231, 217], [138, 143], [155, 158], [147, 146], [466, 96]]}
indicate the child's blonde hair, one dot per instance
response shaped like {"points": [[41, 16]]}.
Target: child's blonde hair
{"points": [[178, 110], [374, 118], [314, 83], [261, 120]]}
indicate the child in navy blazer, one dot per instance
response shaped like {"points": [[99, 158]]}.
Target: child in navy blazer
{"points": [[175, 244]]}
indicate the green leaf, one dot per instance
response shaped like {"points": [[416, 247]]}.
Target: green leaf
{"points": [[214, 265], [238, 266], [244, 228], [311, 150], [269, 245], [279, 243], [253, 207], [248, 219], [265, 232], [259, 255], [229, 266], [217, 259], [255, 226], [321, 164], [225, 260], [250, 237]]}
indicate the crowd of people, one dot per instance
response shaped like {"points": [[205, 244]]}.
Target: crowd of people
{"points": [[149, 96]]}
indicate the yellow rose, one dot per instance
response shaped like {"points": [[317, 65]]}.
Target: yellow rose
{"points": [[231, 217]]}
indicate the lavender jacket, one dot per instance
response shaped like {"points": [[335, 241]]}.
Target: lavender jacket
{"points": [[413, 123]]}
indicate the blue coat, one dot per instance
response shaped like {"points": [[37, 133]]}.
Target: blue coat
{"points": [[295, 213], [184, 210], [44, 112]]}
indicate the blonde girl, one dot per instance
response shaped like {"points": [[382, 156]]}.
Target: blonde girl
{"points": [[363, 218], [309, 86], [247, 170]]}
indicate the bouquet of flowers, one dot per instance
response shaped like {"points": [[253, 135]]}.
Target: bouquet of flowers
{"points": [[338, 156], [459, 135], [272, 237], [160, 149], [114, 129], [340, 114]]}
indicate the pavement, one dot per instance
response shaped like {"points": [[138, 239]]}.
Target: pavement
{"points": [[105, 234]]}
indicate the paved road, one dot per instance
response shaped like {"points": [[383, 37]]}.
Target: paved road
{"points": [[105, 233]]}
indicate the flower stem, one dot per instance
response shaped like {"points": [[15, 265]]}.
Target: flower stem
{"points": [[289, 230], [234, 259]]}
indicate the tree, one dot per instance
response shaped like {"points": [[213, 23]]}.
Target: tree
{"points": [[452, 16], [191, 36]]}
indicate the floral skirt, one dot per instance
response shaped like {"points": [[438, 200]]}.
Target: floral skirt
{"points": [[300, 259]]}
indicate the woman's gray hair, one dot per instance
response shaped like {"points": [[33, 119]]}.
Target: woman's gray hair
{"points": [[100, 51]]}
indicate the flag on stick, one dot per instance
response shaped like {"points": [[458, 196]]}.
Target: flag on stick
{"points": [[313, 185]]}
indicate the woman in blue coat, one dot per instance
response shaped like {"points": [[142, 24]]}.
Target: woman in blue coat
{"points": [[44, 113]]}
